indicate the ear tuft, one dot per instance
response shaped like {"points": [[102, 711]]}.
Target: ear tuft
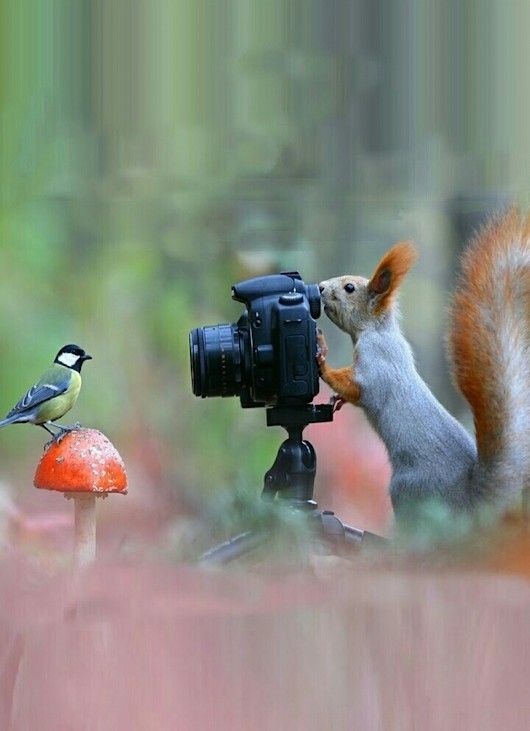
{"points": [[389, 273]]}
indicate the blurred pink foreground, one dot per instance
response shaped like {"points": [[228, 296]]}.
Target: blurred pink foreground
{"points": [[147, 646], [141, 648]]}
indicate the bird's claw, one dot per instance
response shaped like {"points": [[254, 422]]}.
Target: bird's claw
{"points": [[67, 429], [57, 438]]}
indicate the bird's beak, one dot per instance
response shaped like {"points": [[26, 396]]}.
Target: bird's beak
{"points": [[87, 357]]}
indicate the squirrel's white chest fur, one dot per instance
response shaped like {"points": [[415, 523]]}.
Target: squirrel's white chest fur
{"points": [[430, 452]]}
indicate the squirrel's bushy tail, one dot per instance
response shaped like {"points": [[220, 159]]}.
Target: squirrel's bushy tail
{"points": [[490, 344]]}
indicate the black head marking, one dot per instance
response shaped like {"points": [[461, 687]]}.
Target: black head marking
{"points": [[72, 356]]}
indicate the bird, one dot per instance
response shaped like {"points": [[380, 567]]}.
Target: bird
{"points": [[53, 395]]}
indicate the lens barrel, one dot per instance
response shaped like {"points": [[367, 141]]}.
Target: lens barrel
{"points": [[215, 356]]}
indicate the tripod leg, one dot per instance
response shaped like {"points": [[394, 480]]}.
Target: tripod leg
{"points": [[232, 549], [337, 532], [356, 536], [353, 535]]}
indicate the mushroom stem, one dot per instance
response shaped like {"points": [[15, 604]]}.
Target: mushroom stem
{"points": [[85, 529]]}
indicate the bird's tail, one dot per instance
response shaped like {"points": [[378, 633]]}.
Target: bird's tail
{"points": [[9, 420], [490, 343]]}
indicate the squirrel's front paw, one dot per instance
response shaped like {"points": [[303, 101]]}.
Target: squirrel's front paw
{"points": [[322, 350]]}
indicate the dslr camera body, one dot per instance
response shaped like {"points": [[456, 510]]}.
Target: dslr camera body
{"points": [[267, 357]]}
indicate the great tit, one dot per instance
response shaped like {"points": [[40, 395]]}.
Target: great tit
{"points": [[53, 395]]}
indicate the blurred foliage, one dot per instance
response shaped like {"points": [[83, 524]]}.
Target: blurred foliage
{"points": [[280, 534], [152, 153]]}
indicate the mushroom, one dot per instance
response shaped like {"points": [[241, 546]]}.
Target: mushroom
{"points": [[83, 465]]}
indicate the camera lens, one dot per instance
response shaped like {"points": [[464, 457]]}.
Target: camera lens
{"points": [[215, 356]]}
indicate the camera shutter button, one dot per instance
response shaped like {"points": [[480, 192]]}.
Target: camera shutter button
{"points": [[293, 298]]}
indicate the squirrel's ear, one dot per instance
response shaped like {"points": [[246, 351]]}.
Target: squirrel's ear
{"points": [[386, 279]]}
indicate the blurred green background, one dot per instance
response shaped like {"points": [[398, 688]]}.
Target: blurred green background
{"points": [[152, 153]]}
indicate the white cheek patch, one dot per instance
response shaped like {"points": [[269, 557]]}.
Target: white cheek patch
{"points": [[68, 359]]}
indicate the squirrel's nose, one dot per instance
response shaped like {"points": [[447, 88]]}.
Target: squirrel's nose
{"points": [[321, 287]]}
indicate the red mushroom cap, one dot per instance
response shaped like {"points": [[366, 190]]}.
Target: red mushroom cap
{"points": [[83, 461]]}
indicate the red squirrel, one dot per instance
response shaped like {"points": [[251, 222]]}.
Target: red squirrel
{"points": [[432, 456]]}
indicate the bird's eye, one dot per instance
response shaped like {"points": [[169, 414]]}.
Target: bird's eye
{"points": [[349, 288]]}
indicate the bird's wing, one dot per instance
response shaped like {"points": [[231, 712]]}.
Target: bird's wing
{"points": [[41, 392]]}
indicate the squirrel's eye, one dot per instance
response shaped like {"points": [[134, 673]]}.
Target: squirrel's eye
{"points": [[349, 288]]}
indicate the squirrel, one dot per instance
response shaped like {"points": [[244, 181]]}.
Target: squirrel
{"points": [[432, 456]]}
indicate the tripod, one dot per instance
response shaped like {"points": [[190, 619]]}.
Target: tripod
{"points": [[291, 479]]}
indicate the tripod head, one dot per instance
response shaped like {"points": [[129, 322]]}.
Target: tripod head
{"points": [[292, 476], [301, 416]]}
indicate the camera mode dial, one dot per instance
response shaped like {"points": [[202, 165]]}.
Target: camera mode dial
{"points": [[293, 298]]}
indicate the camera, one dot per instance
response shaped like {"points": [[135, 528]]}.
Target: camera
{"points": [[267, 357]]}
